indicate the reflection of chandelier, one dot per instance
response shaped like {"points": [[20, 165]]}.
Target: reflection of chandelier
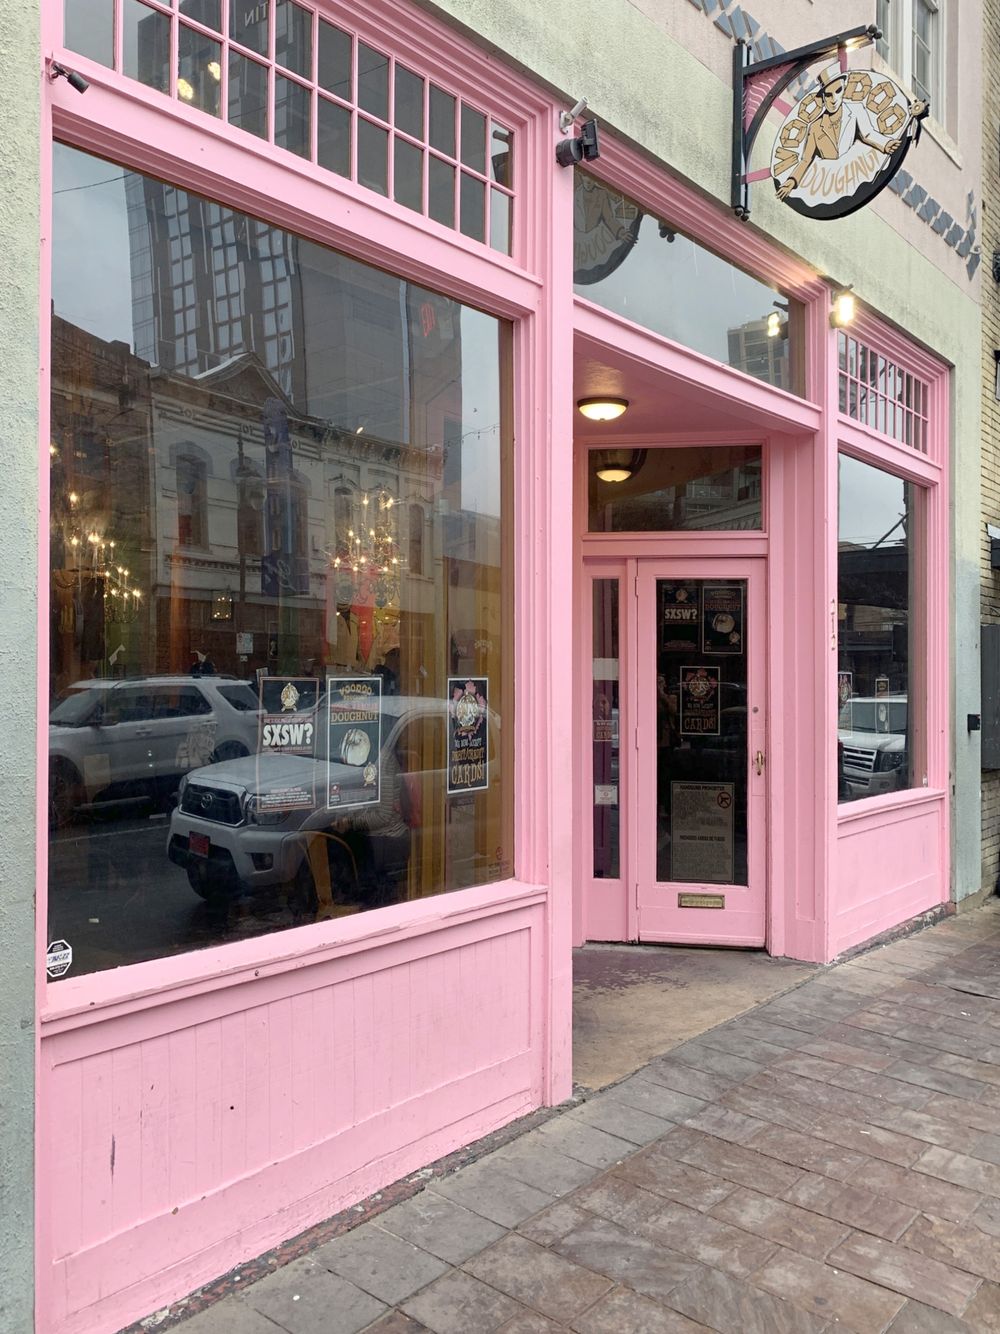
{"points": [[92, 554], [365, 560]]}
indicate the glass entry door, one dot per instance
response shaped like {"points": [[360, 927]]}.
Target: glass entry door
{"points": [[697, 803]]}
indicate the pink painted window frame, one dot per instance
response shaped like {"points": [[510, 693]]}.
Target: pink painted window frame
{"points": [[137, 127], [928, 469]]}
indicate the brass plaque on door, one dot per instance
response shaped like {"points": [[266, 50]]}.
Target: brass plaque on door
{"points": [[701, 900]]}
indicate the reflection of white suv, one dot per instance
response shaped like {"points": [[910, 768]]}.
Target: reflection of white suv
{"points": [[116, 740], [871, 730]]}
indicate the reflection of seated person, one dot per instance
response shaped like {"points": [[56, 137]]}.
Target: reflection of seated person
{"points": [[388, 669]]}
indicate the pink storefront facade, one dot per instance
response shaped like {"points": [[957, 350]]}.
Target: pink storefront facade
{"points": [[210, 1091]]}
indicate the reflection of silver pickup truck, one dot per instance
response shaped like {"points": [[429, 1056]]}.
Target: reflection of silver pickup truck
{"points": [[873, 740], [265, 821]]}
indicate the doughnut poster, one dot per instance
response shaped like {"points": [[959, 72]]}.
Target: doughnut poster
{"points": [[722, 626], [354, 712]]}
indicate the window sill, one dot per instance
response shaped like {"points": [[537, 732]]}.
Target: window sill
{"points": [[888, 805], [96, 997]]}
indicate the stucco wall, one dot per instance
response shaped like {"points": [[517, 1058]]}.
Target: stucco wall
{"points": [[675, 102], [990, 606], [19, 205]]}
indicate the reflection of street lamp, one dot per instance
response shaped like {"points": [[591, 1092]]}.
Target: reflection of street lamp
{"points": [[776, 326], [222, 606]]}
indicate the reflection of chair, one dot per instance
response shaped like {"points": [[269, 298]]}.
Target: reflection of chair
{"points": [[319, 843]]}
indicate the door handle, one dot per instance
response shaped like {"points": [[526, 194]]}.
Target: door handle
{"points": [[144, 731], [758, 762]]}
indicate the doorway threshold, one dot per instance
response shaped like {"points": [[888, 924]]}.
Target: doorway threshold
{"points": [[632, 1003]]}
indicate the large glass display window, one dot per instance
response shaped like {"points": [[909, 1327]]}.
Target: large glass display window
{"points": [[879, 686], [280, 612]]}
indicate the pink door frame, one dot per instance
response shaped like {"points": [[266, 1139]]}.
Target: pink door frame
{"points": [[743, 920], [609, 909]]}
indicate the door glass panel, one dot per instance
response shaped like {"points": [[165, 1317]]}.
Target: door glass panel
{"points": [[701, 731], [672, 489], [606, 731]]}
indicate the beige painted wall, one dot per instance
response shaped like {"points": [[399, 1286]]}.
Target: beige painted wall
{"points": [[20, 163]]}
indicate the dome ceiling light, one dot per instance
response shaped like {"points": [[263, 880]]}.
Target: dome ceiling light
{"points": [[603, 408]]}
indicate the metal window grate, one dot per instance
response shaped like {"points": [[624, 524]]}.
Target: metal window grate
{"points": [[881, 394], [280, 71]]}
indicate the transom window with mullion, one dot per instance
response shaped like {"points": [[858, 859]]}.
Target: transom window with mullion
{"points": [[286, 75]]}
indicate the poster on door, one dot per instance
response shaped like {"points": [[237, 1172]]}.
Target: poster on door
{"points": [[354, 726], [722, 628], [699, 709], [679, 615], [701, 833]]}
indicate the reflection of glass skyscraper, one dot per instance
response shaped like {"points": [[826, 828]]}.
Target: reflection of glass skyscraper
{"points": [[752, 351], [209, 284]]}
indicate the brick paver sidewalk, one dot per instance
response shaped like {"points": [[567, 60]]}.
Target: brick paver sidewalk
{"points": [[829, 1161]]}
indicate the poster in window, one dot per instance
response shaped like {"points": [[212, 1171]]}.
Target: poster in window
{"points": [[845, 694], [722, 627], [701, 833], [354, 740], [467, 709], [700, 701], [680, 612], [288, 726]]}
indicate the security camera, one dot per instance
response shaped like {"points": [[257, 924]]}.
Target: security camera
{"points": [[76, 81], [584, 148]]}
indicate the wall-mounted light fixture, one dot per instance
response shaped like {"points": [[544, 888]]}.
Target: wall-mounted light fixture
{"points": [[845, 307], [602, 408], [76, 81], [617, 465]]}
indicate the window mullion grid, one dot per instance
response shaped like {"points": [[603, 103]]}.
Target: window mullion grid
{"points": [[355, 99], [229, 46], [425, 156], [224, 81], [390, 173], [457, 185], [174, 53], [314, 91], [272, 75], [118, 37]]}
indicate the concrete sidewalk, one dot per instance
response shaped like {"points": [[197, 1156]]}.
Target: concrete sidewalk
{"points": [[830, 1160]]}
